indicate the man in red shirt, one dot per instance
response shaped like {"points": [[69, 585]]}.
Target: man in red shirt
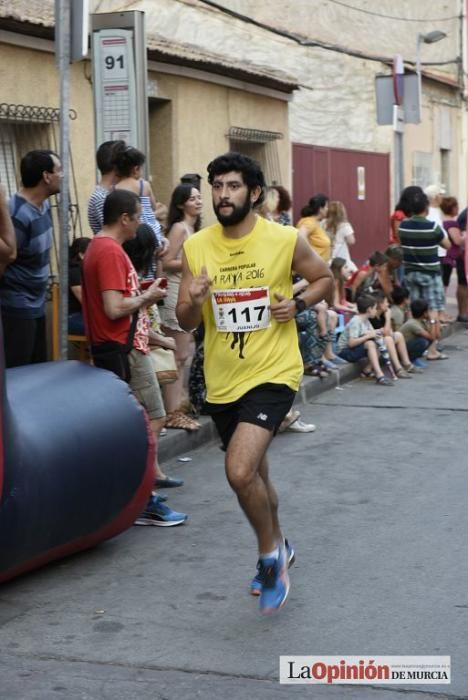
{"points": [[111, 296]]}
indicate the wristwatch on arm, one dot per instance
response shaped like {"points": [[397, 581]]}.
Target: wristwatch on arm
{"points": [[300, 304]]}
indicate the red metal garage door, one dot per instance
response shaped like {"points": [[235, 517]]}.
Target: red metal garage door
{"points": [[335, 172]]}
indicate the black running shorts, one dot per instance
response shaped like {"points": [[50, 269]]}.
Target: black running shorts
{"points": [[265, 405]]}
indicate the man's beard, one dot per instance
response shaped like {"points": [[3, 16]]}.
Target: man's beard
{"points": [[237, 214]]}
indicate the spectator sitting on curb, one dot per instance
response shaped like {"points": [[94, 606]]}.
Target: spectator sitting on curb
{"points": [[394, 273], [421, 335], [357, 341], [399, 307], [368, 278], [341, 274], [394, 341]]}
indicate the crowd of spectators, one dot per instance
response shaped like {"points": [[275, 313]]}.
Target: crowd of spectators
{"points": [[387, 312]]}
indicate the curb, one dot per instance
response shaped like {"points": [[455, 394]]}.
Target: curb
{"points": [[179, 442]]}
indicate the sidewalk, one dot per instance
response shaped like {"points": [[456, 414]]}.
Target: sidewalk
{"points": [[179, 442]]}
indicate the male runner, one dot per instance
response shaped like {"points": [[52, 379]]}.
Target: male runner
{"points": [[237, 279]]}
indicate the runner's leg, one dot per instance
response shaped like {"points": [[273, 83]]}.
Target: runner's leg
{"points": [[272, 496], [244, 455]]}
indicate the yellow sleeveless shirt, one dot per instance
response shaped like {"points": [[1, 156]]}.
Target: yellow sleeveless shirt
{"points": [[236, 362]]}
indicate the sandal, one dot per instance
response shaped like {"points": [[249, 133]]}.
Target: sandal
{"points": [[315, 371], [384, 381], [180, 421], [403, 374], [367, 374]]}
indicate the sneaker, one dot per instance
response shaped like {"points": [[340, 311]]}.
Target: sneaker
{"points": [[421, 364], [328, 364], [299, 427], [289, 418], [338, 361], [157, 513], [256, 583], [275, 582]]}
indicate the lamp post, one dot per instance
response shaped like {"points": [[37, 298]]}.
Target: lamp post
{"points": [[429, 38]]}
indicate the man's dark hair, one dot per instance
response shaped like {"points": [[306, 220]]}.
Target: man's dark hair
{"points": [[250, 170], [377, 258], [364, 303], [314, 204], [406, 201], [104, 156], [119, 202], [34, 164], [399, 294], [418, 308], [420, 203]]}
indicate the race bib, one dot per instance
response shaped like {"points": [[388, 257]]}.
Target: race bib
{"points": [[241, 310]]}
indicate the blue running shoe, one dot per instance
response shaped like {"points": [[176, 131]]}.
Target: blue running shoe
{"points": [[421, 364], [256, 583], [158, 514], [275, 582]]}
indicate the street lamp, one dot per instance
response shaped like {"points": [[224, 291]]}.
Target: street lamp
{"points": [[429, 38]]}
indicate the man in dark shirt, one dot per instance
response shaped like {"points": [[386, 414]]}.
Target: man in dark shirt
{"points": [[24, 283]]}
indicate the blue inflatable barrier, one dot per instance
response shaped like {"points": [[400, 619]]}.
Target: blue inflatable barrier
{"points": [[76, 461]]}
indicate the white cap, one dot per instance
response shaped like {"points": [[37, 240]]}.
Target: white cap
{"points": [[432, 191]]}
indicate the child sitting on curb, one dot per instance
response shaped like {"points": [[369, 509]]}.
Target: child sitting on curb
{"points": [[399, 307], [357, 341], [394, 341], [420, 333]]}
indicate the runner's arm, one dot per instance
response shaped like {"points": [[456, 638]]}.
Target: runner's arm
{"points": [[312, 268]]}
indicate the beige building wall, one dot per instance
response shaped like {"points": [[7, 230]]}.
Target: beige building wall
{"points": [[39, 86], [335, 105], [200, 115], [189, 119]]}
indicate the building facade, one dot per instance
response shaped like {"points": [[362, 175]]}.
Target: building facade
{"points": [[291, 83]]}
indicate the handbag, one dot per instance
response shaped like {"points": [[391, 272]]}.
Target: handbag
{"points": [[164, 364], [113, 356]]}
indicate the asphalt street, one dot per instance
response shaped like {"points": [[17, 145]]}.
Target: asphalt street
{"points": [[375, 504]]}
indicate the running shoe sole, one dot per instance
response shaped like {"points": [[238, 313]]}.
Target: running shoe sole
{"points": [[158, 523]]}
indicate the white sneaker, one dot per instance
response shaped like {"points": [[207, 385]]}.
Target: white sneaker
{"points": [[299, 427]]}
